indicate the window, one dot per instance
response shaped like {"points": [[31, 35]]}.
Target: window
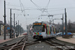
{"points": [[43, 28]]}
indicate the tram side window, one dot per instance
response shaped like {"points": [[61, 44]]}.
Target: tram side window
{"points": [[33, 28], [47, 29], [50, 29], [43, 28]]}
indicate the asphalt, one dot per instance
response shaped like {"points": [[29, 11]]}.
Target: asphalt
{"points": [[40, 46]]}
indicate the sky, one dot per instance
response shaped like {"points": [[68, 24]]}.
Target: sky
{"points": [[33, 9]]}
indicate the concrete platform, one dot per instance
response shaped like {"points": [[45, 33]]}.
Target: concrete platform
{"points": [[7, 39], [70, 40], [2, 41]]}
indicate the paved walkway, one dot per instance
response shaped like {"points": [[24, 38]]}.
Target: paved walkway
{"points": [[7, 38], [71, 40], [2, 39]]}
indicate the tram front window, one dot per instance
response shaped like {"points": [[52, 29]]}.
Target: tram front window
{"points": [[37, 28]]}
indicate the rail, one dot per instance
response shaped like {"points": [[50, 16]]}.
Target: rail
{"points": [[58, 45]]}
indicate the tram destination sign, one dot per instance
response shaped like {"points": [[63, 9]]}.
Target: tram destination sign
{"points": [[37, 23]]}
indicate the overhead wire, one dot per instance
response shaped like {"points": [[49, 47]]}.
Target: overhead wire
{"points": [[48, 4], [22, 7], [45, 9], [41, 9], [34, 4]]}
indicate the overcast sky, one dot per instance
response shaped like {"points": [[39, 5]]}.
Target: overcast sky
{"points": [[32, 15]]}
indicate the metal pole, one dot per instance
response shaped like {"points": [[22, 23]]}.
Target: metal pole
{"points": [[14, 24], [4, 20], [18, 27], [0, 29], [62, 24], [10, 23], [65, 22]]}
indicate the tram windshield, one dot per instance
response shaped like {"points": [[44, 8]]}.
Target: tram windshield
{"points": [[39, 29]]}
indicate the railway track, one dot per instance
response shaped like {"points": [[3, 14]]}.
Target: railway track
{"points": [[60, 46], [21, 45], [55, 44], [14, 46]]}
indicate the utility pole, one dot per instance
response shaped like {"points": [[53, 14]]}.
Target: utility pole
{"points": [[18, 27], [65, 22], [4, 20], [14, 25], [0, 29], [62, 24], [10, 23]]}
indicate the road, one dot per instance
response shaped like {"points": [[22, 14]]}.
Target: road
{"points": [[40, 46]]}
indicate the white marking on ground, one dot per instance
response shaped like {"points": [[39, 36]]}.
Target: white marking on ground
{"points": [[39, 46]]}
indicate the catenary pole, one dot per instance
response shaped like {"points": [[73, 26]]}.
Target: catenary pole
{"points": [[4, 20], [10, 23], [18, 27], [14, 25], [62, 24], [65, 22], [0, 29]]}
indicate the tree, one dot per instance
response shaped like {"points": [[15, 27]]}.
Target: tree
{"points": [[19, 29]]}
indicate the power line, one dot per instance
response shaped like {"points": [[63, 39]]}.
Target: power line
{"points": [[22, 7], [34, 3], [41, 9], [48, 3]]}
